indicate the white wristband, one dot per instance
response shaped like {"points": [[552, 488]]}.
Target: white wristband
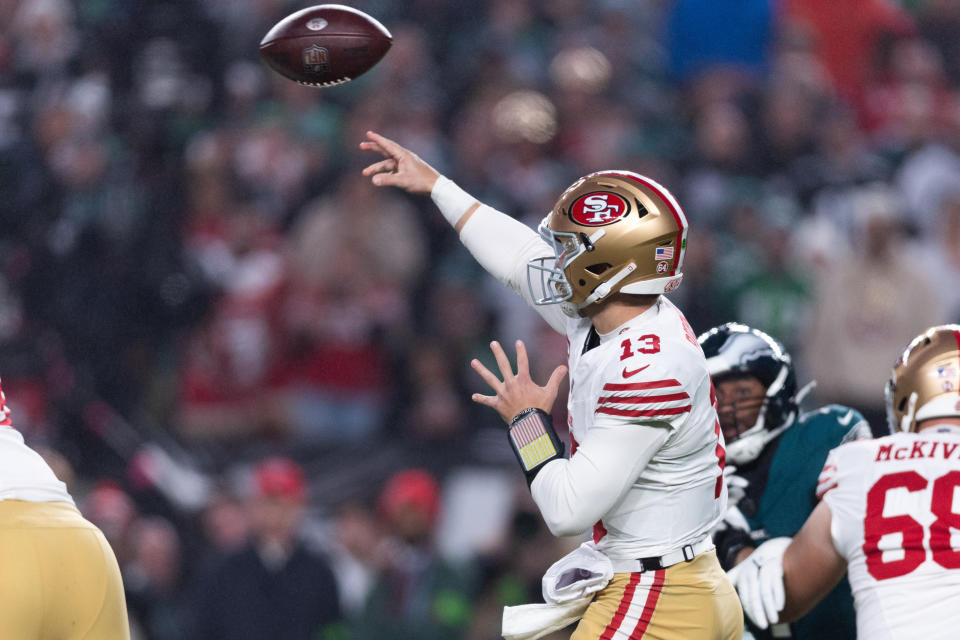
{"points": [[452, 201]]}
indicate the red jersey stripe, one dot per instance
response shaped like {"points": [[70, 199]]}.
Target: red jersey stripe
{"points": [[670, 397], [640, 386], [625, 601], [598, 531], [647, 413], [821, 493], [652, 597]]}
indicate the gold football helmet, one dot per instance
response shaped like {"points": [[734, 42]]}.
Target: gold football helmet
{"points": [[926, 379], [611, 231]]}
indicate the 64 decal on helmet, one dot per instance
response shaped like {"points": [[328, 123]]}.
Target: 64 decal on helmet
{"points": [[611, 231]]}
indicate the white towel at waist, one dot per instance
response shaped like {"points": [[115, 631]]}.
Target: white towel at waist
{"points": [[568, 588]]}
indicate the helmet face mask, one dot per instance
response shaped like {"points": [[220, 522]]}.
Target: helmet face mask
{"points": [[736, 350], [554, 287], [925, 382], [740, 401], [611, 231]]}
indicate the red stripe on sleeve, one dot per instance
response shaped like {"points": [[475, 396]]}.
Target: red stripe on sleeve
{"points": [[670, 397], [640, 386], [646, 413], [821, 493]]}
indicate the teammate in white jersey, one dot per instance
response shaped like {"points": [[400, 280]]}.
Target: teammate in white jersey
{"points": [[646, 464], [889, 514], [59, 579]]}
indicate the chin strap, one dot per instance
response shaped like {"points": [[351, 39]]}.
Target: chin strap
{"points": [[805, 391], [748, 446], [907, 422], [605, 288]]}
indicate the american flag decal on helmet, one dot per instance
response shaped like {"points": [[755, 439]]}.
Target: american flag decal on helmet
{"points": [[663, 253]]}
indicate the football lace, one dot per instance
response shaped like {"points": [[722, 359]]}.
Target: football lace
{"points": [[329, 83]]}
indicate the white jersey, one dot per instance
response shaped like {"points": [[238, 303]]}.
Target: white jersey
{"points": [[649, 373], [896, 519], [24, 475], [646, 464]]}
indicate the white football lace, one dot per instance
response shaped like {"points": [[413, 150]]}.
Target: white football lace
{"points": [[329, 83]]}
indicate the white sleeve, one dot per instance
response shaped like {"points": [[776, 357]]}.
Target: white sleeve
{"points": [[574, 493], [501, 244], [834, 488]]}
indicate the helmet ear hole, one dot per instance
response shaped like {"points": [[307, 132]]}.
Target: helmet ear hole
{"points": [[597, 269]]}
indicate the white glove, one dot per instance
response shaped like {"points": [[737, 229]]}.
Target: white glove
{"points": [[736, 485], [759, 581]]}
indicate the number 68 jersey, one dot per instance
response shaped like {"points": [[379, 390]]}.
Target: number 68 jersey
{"points": [[895, 505]]}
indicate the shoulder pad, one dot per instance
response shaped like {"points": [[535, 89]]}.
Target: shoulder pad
{"points": [[837, 422]]}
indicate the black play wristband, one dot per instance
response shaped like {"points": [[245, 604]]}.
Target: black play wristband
{"points": [[534, 441]]}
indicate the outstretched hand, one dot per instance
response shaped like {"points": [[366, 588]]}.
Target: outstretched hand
{"points": [[516, 392], [401, 167]]}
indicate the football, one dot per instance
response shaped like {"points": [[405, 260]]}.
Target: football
{"points": [[325, 45]]}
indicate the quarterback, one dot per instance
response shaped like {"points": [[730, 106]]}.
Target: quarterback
{"points": [[645, 471], [59, 578], [888, 515]]}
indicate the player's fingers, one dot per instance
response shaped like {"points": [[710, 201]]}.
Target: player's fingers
{"points": [[768, 599], [488, 401], [389, 179], [747, 588], [368, 145], [486, 374], [502, 361], [388, 165], [780, 597], [386, 144], [553, 384], [776, 596], [523, 363]]}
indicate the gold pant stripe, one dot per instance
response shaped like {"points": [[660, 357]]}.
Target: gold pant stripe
{"points": [[687, 601], [58, 576]]}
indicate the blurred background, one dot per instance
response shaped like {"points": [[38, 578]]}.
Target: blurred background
{"points": [[224, 339]]}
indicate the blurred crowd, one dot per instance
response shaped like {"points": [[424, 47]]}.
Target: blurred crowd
{"points": [[251, 366]]}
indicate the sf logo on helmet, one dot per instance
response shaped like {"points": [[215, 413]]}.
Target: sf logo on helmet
{"points": [[598, 208]]}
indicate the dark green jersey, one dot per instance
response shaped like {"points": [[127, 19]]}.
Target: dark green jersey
{"points": [[782, 494]]}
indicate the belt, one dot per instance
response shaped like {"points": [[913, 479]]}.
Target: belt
{"points": [[686, 553]]}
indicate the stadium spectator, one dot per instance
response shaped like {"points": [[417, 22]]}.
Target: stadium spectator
{"points": [[153, 581], [416, 594], [874, 296], [275, 587]]}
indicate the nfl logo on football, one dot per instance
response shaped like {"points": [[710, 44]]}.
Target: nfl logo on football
{"points": [[316, 59]]}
